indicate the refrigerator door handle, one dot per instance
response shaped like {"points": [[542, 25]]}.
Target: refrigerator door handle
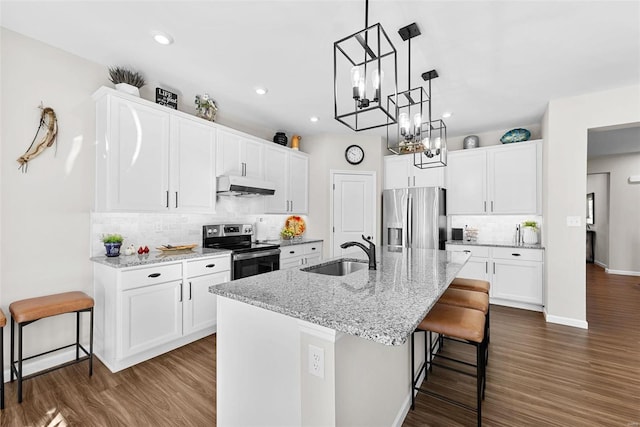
{"points": [[409, 221]]}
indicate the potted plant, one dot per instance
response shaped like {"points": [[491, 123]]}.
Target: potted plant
{"points": [[126, 80], [112, 243], [530, 232]]}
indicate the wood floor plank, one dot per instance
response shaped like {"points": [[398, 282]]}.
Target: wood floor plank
{"points": [[539, 374]]}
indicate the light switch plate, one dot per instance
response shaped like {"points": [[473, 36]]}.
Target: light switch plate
{"points": [[573, 221]]}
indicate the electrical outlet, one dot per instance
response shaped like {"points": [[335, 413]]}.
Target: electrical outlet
{"points": [[316, 361], [573, 221]]}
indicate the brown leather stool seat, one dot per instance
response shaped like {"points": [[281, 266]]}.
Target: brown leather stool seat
{"points": [[27, 311], [468, 299], [3, 322], [470, 285], [465, 325]]}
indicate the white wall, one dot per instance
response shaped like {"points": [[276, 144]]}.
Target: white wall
{"points": [[624, 210], [492, 137], [598, 184], [45, 212], [327, 152], [565, 126]]}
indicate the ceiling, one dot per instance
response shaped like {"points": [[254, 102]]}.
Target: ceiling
{"points": [[500, 62], [617, 140]]}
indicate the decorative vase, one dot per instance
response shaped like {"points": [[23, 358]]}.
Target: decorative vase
{"points": [[530, 236], [127, 88], [295, 142], [471, 141], [113, 249], [280, 138]]}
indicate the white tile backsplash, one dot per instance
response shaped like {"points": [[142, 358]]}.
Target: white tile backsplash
{"points": [[494, 228]]}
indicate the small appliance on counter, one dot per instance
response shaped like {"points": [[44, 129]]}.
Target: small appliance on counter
{"points": [[248, 259], [457, 234]]}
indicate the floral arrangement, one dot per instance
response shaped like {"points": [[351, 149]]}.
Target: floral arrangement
{"points": [[206, 107]]}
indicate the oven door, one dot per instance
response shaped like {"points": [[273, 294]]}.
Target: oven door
{"points": [[247, 264]]}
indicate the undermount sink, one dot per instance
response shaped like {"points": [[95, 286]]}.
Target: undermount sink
{"points": [[338, 267]]}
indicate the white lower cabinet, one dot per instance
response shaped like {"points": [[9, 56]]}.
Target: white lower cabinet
{"points": [[144, 311], [300, 255], [515, 274]]}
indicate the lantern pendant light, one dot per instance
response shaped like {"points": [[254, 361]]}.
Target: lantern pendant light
{"points": [[433, 150], [364, 76]]}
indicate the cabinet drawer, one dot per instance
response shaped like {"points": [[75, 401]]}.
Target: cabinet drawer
{"points": [[208, 266], [312, 248], [476, 251], [291, 251], [517, 254], [151, 275]]}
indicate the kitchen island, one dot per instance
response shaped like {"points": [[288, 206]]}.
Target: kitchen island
{"points": [[301, 348]]}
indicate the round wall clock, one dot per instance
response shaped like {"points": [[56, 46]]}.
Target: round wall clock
{"points": [[354, 154]]}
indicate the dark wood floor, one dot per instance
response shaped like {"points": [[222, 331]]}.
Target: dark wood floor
{"points": [[539, 374]]}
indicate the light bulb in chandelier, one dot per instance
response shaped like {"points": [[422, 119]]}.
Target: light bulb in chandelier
{"points": [[356, 82], [404, 124], [417, 125], [376, 78]]}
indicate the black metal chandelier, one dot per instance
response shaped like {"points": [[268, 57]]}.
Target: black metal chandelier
{"points": [[364, 76], [425, 139]]}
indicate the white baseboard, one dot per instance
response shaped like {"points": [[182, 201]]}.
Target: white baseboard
{"points": [[568, 321], [622, 272], [45, 362], [600, 264]]}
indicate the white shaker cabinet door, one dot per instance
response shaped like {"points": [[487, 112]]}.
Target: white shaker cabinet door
{"points": [[517, 281], [276, 167], [151, 316], [298, 183], [138, 153], [513, 173], [228, 154], [467, 183], [253, 158], [396, 172], [193, 177], [200, 304]]}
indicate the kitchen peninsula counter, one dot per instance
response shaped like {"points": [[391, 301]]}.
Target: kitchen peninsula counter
{"points": [[301, 348]]}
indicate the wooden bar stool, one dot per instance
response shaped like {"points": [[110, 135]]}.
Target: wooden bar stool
{"points": [[3, 322], [27, 311], [470, 285], [467, 326]]}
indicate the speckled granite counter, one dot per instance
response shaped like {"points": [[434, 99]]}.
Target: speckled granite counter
{"points": [[155, 257], [384, 305], [494, 244], [293, 241]]}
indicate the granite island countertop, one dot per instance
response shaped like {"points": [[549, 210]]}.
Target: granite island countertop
{"points": [[383, 305], [292, 242], [495, 244], [155, 257]]}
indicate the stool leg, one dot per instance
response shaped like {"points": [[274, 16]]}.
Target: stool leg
{"points": [[479, 380], [19, 362], [426, 352], [413, 380], [91, 345], [77, 335], [1, 368], [13, 359]]}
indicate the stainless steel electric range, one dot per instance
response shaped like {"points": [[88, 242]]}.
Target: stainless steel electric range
{"points": [[248, 258]]}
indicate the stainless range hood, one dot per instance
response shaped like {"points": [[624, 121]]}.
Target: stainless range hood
{"points": [[234, 185]]}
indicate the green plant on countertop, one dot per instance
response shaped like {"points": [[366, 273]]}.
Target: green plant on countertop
{"points": [[124, 75], [287, 233], [112, 238], [531, 224]]}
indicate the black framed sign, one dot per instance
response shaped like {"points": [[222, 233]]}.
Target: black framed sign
{"points": [[166, 98]]}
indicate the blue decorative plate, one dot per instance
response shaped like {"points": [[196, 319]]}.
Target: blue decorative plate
{"points": [[515, 135]]}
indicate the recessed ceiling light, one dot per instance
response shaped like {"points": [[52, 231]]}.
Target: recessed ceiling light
{"points": [[261, 90], [162, 38], [447, 114], [313, 119]]}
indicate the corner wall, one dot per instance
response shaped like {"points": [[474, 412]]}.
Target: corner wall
{"points": [[565, 128], [598, 183]]}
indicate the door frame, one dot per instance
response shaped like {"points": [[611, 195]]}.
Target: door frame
{"points": [[332, 174]]}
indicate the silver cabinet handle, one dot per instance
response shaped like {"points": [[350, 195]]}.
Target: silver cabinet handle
{"points": [[154, 275], [292, 206], [176, 199], [408, 181], [189, 291], [492, 206], [210, 265], [486, 267], [485, 206], [494, 268], [167, 198], [516, 254], [180, 292], [414, 181]]}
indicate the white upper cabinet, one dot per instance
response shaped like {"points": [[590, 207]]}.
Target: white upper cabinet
{"points": [[150, 158], [238, 154], [495, 180], [193, 177], [399, 172], [289, 171]]}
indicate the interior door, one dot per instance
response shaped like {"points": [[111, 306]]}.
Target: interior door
{"points": [[354, 210]]}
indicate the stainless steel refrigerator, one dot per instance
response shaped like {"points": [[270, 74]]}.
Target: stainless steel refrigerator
{"points": [[414, 217]]}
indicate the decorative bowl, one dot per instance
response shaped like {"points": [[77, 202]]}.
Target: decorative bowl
{"points": [[515, 135]]}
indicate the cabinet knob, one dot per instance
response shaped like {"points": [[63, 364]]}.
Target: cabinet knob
{"points": [[153, 275], [210, 265], [292, 252], [516, 254]]}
